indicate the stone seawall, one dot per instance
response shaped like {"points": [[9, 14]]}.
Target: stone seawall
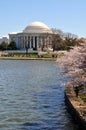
{"points": [[76, 107]]}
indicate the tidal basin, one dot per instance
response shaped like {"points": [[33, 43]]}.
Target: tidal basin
{"points": [[32, 97]]}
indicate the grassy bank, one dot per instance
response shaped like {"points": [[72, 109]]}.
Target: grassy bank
{"points": [[28, 57], [46, 56]]}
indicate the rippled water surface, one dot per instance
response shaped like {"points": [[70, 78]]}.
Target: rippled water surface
{"points": [[31, 96]]}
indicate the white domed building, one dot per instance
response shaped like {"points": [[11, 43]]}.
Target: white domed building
{"points": [[36, 36]]}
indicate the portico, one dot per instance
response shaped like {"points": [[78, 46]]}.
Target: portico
{"points": [[36, 36]]}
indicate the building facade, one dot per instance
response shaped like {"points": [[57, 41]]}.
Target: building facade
{"points": [[36, 36], [4, 39]]}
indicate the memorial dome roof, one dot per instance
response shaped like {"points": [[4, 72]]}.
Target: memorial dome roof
{"points": [[37, 27]]}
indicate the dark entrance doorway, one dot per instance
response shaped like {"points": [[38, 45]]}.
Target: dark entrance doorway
{"points": [[35, 43]]}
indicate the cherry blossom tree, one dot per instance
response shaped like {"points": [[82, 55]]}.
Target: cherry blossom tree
{"points": [[74, 64]]}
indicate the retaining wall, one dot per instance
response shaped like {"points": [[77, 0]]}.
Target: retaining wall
{"points": [[76, 107]]}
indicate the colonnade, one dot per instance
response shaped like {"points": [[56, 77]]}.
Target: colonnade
{"points": [[31, 41], [34, 42]]}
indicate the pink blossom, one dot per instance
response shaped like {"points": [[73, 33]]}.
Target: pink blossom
{"points": [[74, 63]]}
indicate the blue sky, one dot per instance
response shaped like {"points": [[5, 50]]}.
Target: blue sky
{"points": [[67, 15]]}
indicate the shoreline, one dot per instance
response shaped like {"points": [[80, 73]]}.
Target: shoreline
{"points": [[27, 58], [76, 107]]}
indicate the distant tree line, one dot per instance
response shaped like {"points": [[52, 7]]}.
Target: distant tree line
{"points": [[64, 43], [6, 46]]}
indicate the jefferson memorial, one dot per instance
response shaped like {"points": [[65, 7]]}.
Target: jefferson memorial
{"points": [[36, 36]]}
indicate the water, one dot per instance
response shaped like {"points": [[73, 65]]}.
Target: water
{"points": [[31, 96]]}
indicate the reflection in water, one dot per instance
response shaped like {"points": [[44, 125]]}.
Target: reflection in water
{"points": [[31, 96]]}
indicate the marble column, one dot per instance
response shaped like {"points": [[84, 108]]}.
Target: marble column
{"points": [[20, 42], [27, 41], [37, 42], [24, 41], [30, 41], [33, 41]]}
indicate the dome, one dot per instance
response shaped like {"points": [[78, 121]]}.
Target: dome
{"points": [[37, 27]]}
